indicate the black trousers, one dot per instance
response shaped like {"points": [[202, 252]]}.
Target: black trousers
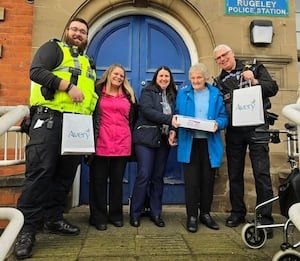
{"points": [[199, 180], [237, 143], [106, 173], [48, 175]]}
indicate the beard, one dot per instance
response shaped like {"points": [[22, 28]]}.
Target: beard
{"points": [[71, 42]]}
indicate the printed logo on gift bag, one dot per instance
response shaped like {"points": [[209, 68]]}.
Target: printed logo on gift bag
{"points": [[85, 135], [246, 107]]}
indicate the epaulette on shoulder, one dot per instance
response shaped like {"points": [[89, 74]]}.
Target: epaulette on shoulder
{"points": [[54, 40]]}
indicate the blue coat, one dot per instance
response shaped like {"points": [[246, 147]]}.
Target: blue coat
{"points": [[185, 105]]}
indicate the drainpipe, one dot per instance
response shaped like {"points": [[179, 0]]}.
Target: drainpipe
{"points": [[9, 235]]}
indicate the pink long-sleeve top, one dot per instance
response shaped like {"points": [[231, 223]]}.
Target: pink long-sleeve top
{"points": [[114, 137]]}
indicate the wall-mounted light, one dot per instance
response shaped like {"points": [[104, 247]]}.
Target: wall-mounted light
{"points": [[261, 32]]}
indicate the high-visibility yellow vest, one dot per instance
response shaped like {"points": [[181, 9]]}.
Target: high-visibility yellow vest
{"points": [[85, 82]]}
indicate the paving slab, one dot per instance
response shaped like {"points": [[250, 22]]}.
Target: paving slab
{"points": [[149, 243]]}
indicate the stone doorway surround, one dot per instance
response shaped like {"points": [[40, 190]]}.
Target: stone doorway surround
{"points": [[181, 15]]}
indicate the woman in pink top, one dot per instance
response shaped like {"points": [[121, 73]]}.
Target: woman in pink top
{"points": [[113, 118]]}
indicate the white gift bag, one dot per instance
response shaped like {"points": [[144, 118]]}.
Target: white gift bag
{"points": [[247, 106], [77, 134]]}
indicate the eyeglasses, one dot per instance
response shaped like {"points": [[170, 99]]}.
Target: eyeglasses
{"points": [[75, 30], [222, 55]]}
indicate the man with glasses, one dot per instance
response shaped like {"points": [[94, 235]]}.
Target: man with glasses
{"points": [[236, 74], [61, 77]]}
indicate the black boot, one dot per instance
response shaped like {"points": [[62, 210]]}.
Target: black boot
{"points": [[24, 245]]}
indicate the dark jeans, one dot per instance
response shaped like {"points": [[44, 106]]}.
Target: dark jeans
{"points": [[151, 164]]}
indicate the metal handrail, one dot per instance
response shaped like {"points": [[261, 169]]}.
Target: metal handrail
{"points": [[10, 115], [20, 141], [10, 233]]}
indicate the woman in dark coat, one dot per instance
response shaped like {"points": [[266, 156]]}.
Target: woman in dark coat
{"points": [[150, 137]]}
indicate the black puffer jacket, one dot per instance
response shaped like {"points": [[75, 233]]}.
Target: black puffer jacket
{"points": [[148, 126]]}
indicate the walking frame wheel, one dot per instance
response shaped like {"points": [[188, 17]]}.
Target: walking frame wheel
{"points": [[251, 239], [286, 255]]}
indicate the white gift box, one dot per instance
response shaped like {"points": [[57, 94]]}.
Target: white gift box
{"points": [[194, 123]]}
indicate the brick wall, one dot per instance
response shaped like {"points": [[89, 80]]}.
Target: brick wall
{"points": [[16, 41], [11, 181]]}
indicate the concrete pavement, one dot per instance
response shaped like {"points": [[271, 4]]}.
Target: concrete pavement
{"points": [[149, 242]]}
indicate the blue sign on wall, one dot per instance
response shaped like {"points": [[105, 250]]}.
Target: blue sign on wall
{"points": [[256, 7]]}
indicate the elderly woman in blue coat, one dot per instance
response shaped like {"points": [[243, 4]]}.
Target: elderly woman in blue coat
{"points": [[201, 152]]}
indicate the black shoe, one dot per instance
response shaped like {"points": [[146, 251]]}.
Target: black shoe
{"points": [[234, 221], [24, 245], [208, 221], [61, 227], [101, 226], [192, 224], [135, 222], [118, 223], [157, 220], [269, 233]]}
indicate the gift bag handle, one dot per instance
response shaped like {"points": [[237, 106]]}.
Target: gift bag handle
{"points": [[241, 82]]}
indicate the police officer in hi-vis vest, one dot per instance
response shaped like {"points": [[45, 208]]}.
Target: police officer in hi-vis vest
{"points": [[63, 80]]}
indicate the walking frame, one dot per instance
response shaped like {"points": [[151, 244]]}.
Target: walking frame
{"points": [[254, 234]]}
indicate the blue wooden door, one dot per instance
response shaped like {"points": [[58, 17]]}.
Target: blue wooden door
{"points": [[142, 44]]}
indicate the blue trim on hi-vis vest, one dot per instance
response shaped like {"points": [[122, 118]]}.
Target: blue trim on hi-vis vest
{"points": [[279, 8]]}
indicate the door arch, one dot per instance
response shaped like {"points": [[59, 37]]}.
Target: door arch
{"points": [[142, 44]]}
